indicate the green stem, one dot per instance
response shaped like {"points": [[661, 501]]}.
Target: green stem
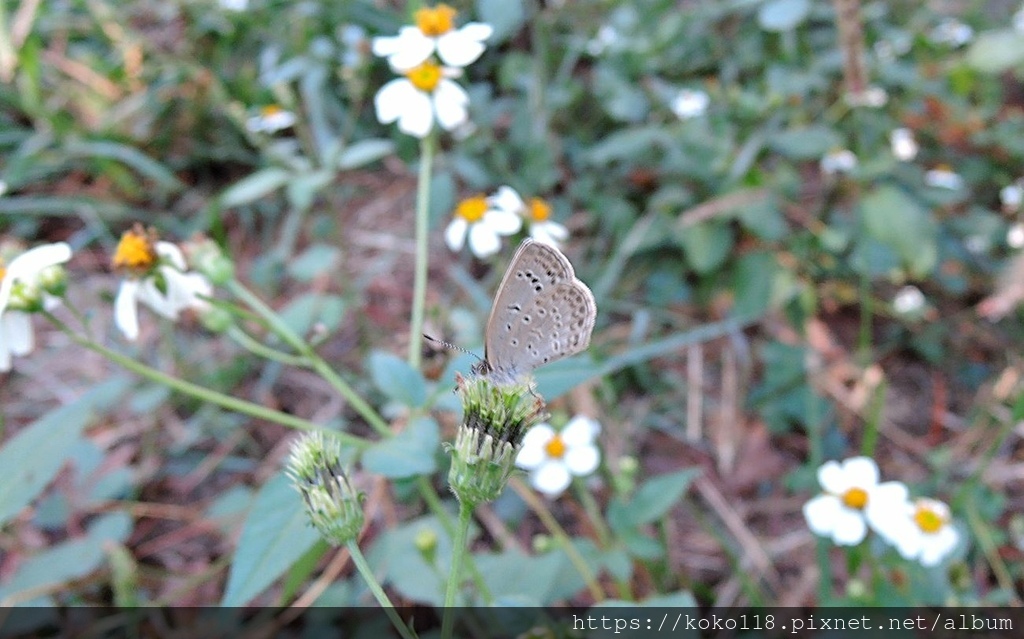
{"points": [[315, 361], [419, 288], [262, 350], [382, 598], [593, 513], [459, 551], [434, 503], [203, 393]]}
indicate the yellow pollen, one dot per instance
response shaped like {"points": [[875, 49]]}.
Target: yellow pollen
{"points": [[435, 21], [472, 209], [539, 210], [927, 519], [3, 271], [555, 448], [855, 498], [135, 251], [271, 110], [425, 77]]}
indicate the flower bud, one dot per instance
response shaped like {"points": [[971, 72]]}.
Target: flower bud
{"points": [[216, 319], [332, 504], [206, 256], [54, 280], [426, 542]]}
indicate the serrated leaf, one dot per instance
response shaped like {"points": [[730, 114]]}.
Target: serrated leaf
{"points": [[410, 453], [275, 535], [251, 188], [395, 378]]}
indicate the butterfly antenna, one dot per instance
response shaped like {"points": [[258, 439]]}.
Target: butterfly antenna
{"points": [[452, 346]]}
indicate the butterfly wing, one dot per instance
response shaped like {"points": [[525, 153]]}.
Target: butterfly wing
{"points": [[541, 313]]}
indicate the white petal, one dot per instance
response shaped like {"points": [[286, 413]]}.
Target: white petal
{"points": [[549, 232], [820, 514], [172, 254], [154, 298], [507, 199], [126, 313], [455, 234], [450, 102], [938, 546], [888, 505], [18, 332], [850, 528], [483, 241], [861, 472], [29, 264], [460, 47], [580, 431], [417, 116], [551, 478], [384, 46], [582, 460], [832, 478], [411, 49], [502, 222], [391, 99], [533, 452], [5, 352]]}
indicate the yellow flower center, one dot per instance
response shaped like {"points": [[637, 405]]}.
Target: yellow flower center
{"points": [[3, 271], [472, 209], [927, 519], [135, 251], [271, 110], [425, 77], [555, 448], [435, 21], [855, 498], [538, 209]]}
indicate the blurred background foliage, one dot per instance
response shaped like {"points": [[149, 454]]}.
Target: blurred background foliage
{"points": [[114, 112]]}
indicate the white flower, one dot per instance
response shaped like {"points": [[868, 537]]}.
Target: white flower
{"points": [[838, 161], [903, 144], [234, 5], [607, 36], [537, 213], [423, 95], [689, 103], [554, 458], [483, 223], [853, 498], [1011, 196], [21, 281], [908, 300], [1015, 236], [921, 530], [353, 39], [3, 188], [943, 178], [271, 119], [434, 31], [872, 97], [163, 285], [953, 33]]}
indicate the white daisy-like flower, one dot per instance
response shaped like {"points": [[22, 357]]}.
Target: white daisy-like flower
{"points": [[1015, 236], [271, 119], [1011, 196], [921, 530], [434, 32], [838, 161], [483, 223], [903, 144], [852, 500], [690, 103], [909, 300], [424, 95], [158, 278], [24, 286], [942, 177], [536, 212], [555, 457], [952, 32], [234, 5]]}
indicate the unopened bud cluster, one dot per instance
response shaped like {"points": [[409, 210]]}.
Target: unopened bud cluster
{"points": [[495, 418], [333, 506]]}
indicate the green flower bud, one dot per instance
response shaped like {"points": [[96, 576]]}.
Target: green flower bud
{"points": [[216, 319], [54, 280], [426, 543], [495, 418], [205, 256], [542, 544], [26, 297], [332, 504]]}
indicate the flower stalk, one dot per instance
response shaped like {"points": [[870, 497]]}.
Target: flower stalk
{"points": [[419, 289]]}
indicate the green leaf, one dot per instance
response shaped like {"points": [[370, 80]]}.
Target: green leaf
{"points": [[32, 458], [364, 152], [409, 453], [393, 376], [129, 156], [505, 16], [707, 245], [255, 186], [316, 260], [897, 220], [678, 599], [652, 501], [805, 142], [312, 308], [396, 559], [302, 189], [783, 15], [997, 51], [528, 580], [557, 379], [276, 534], [752, 283]]}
